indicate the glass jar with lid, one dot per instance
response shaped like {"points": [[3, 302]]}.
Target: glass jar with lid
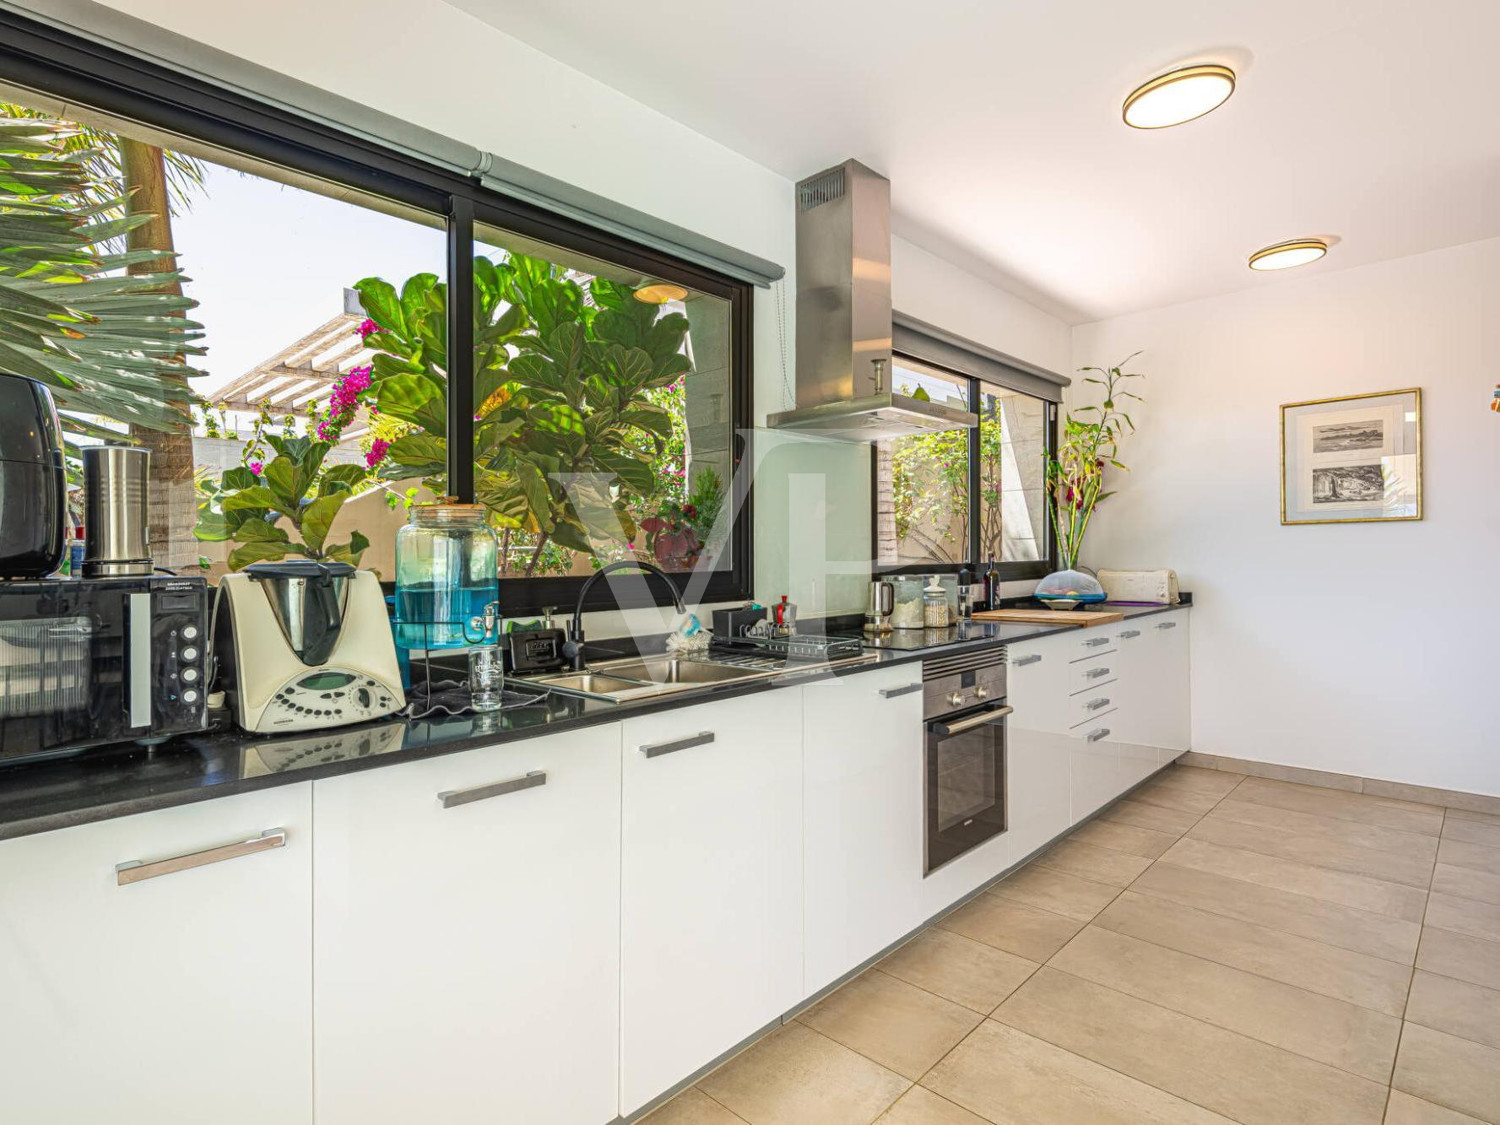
{"points": [[935, 606], [906, 610], [447, 566]]}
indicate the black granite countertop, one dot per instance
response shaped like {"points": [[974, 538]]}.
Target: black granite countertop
{"points": [[109, 782]]}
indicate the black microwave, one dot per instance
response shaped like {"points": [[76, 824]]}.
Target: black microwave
{"points": [[85, 662]]}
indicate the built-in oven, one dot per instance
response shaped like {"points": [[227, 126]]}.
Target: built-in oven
{"points": [[965, 709]]}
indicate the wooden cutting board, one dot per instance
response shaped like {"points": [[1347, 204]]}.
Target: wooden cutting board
{"points": [[1051, 616]]}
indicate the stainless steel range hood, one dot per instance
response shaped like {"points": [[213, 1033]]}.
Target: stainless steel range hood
{"points": [[844, 381]]}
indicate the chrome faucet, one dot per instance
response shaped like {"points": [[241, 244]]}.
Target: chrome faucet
{"points": [[573, 647]]}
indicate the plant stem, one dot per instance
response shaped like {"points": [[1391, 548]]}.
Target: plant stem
{"points": [[536, 556]]}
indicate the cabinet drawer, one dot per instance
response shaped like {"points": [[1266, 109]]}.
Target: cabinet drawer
{"points": [[1097, 728], [1090, 642], [1087, 705], [1085, 675]]}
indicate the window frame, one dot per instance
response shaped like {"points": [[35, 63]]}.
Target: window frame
{"points": [[1009, 571], [55, 62]]}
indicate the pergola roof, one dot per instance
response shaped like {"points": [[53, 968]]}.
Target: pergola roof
{"points": [[301, 374]]}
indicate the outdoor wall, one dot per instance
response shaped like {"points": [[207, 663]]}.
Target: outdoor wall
{"points": [[1364, 649]]}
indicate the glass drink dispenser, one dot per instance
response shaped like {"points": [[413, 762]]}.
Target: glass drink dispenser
{"points": [[447, 588]]}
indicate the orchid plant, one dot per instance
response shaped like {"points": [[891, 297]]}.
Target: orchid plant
{"points": [[1090, 441]]}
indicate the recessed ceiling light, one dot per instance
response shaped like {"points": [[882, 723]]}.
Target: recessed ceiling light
{"points": [[1285, 255], [1178, 96], [660, 292]]}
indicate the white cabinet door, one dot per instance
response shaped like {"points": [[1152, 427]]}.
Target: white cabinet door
{"points": [[466, 952], [863, 795], [1039, 752], [1167, 634], [1133, 696], [1096, 770], [179, 999], [711, 895]]}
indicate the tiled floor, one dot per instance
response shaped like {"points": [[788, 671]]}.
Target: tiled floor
{"points": [[1214, 948]]}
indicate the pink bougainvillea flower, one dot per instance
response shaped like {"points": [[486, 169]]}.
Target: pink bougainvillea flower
{"points": [[257, 467], [367, 327], [377, 453]]}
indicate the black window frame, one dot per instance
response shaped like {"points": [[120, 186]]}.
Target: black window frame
{"points": [[1008, 571], [37, 56]]}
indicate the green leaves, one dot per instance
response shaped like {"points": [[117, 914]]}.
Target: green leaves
{"points": [[318, 517], [382, 304], [418, 399]]}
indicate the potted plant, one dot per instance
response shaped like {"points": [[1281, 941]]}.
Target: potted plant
{"points": [[1090, 442]]}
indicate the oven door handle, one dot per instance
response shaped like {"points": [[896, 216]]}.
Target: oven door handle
{"points": [[138, 662], [962, 725]]}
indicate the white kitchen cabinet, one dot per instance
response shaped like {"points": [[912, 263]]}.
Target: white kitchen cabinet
{"points": [[711, 895], [178, 999], [1133, 692], [1165, 668], [862, 798], [1096, 774], [466, 954], [1038, 751]]}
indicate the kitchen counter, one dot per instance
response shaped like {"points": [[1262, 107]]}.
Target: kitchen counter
{"points": [[111, 782]]}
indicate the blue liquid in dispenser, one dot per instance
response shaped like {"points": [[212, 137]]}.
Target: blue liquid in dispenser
{"points": [[440, 616]]}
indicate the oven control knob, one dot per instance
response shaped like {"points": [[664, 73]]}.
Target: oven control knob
{"points": [[190, 696], [189, 632], [956, 698], [981, 693], [190, 653], [189, 674]]}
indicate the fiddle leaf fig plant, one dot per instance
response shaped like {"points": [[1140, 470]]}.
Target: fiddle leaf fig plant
{"points": [[1090, 441]]}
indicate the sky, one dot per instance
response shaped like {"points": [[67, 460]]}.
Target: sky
{"points": [[269, 263]]}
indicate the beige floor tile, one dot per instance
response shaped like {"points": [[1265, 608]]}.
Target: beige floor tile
{"points": [[1431, 795], [1370, 982], [1360, 891], [900, 1026], [1217, 782], [795, 1076], [1017, 1079], [1472, 831], [1459, 955], [1456, 1007], [1167, 795], [1242, 1078], [1050, 889], [1327, 828], [1103, 865], [958, 968], [1376, 934], [1158, 818], [1466, 882], [919, 1106], [693, 1107], [1407, 1110], [1449, 1071], [1318, 850], [1464, 916], [1471, 815], [1012, 926], [1336, 1032], [1127, 838], [1405, 815], [1461, 853]]}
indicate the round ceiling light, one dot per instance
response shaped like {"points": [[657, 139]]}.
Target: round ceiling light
{"points": [[1285, 255], [1178, 96], [660, 292]]}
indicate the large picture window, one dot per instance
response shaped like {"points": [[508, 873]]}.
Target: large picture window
{"points": [[265, 305], [967, 496]]}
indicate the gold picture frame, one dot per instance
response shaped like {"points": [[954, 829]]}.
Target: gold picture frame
{"points": [[1361, 464]]}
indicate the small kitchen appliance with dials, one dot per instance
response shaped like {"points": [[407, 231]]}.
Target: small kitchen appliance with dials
{"points": [[305, 645]]}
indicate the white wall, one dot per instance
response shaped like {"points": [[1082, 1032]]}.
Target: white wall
{"points": [[1364, 649], [499, 94]]}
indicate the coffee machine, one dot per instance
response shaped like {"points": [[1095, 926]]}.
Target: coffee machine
{"points": [[33, 489]]}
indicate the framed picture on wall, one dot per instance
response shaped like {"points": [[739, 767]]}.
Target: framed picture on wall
{"points": [[1356, 459]]}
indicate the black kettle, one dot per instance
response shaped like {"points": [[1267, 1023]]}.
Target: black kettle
{"points": [[33, 486]]}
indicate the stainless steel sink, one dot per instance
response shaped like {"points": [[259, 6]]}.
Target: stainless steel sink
{"points": [[667, 670], [589, 683], [638, 677]]}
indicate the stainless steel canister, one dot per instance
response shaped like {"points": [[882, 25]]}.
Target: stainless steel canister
{"points": [[115, 514]]}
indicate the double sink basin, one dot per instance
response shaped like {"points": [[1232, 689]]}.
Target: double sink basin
{"points": [[640, 677]]}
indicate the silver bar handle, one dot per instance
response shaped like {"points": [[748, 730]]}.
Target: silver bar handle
{"points": [[1096, 735], [138, 663], [1095, 642], [453, 797], [962, 725], [136, 870], [1096, 704], [1167, 625], [657, 749], [893, 692], [1128, 633], [1095, 673], [1032, 658]]}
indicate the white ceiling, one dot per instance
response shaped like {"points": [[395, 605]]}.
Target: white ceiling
{"points": [[998, 122]]}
